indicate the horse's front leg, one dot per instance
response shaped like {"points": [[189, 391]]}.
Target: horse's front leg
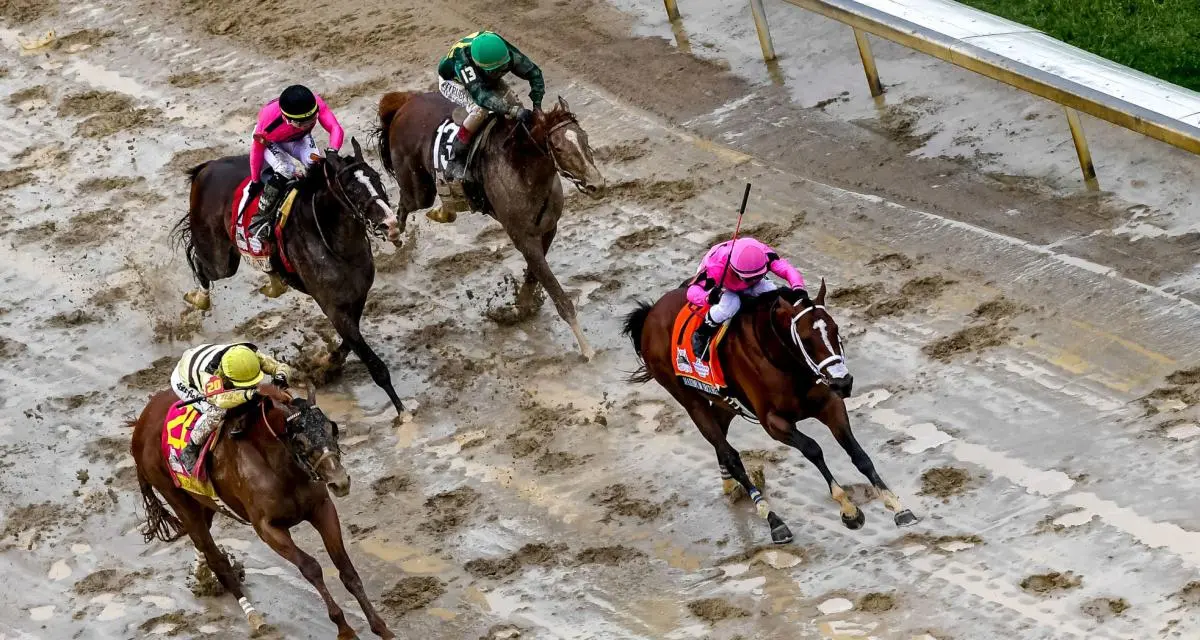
{"points": [[785, 431], [834, 415], [325, 520], [280, 540]]}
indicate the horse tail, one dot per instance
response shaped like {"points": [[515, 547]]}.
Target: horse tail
{"points": [[389, 105], [181, 233], [635, 322], [160, 523]]}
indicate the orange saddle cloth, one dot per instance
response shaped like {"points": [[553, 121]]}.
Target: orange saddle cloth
{"points": [[177, 428], [705, 376]]}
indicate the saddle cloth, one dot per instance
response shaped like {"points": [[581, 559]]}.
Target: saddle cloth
{"points": [[244, 207], [177, 428], [704, 376]]}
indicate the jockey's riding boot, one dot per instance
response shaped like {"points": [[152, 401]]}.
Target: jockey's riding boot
{"points": [[702, 336], [458, 158], [261, 223], [189, 456]]}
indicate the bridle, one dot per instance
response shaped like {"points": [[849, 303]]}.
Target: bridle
{"points": [[549, 151], [835, 363], [289, 436], [339, 193]]}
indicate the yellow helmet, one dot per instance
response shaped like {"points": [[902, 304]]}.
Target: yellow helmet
{"points": [[239, 365]]}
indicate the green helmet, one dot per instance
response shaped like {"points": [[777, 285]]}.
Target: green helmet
{"points": [[489, 51]]}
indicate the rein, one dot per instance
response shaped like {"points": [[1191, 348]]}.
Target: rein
{"points": [[339, 193], [310, 469], [834, 360]]}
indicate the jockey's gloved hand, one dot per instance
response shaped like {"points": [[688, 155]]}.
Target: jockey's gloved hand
{"points": [[525, 116], [331, 152], [280, 379], [714, 296], [802, 292]]}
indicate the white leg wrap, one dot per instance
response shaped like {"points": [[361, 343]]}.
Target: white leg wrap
{"points": [[247, 608]]}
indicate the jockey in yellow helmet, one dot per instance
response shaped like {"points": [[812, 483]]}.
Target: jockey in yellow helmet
{"points": [[225, 376]]}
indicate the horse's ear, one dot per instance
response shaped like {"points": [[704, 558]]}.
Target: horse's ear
{"points": [[357, 148], [563, 103], [312, 394], [821, 293]]}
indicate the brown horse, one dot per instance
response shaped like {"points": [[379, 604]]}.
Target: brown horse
{"points": [[517, 179], [783, 362], [340, 201], [273, 474]]}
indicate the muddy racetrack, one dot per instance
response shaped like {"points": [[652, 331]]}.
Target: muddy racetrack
{"points": [[1024, 382]]}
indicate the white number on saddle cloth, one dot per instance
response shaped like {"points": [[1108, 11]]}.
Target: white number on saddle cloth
{"points": [[441, 144]]}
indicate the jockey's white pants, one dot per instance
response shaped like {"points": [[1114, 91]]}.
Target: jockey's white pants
{"points": [[209, 415], [457, 93], [731, 302], [283, 156]]}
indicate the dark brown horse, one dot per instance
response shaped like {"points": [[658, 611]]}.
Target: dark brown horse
{"points": [[517, 173], [783, 361], [340, 202], [276, 473]]}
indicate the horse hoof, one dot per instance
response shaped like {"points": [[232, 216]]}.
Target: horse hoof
{"points": [[443, 215], [854, 522], [257, 620], [906, 518], [588, 354], [781, 534], [200, 300]]}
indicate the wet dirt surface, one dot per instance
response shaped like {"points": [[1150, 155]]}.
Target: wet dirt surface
{"points": [[534, 493]]}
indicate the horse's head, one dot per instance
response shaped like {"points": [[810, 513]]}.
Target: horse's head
{"points": [[568, 146], [312, 438], [360, 189], [815, 334]]}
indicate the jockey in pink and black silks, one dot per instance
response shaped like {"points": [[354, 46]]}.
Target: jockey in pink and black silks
{"points": [[744, 264], [283, 142]]}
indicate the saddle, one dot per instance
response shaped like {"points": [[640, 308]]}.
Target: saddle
{"points": [[245, 206], [467, 194]]}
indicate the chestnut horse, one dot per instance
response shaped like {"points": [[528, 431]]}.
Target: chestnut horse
{"points": [[276, 472], [517, 173], [783, 362]]}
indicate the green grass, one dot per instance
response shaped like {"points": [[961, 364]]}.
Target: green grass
{"points": [[1158, 37]]}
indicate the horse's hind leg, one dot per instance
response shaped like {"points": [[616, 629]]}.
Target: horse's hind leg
{"points": [[833, 414], [535, 259], [281, 541], [710, 426], [787, 433], [325, 520], [196, 520]]}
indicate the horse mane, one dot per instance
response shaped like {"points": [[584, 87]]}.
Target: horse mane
{"points": [[768, 299], [389, 105], [545, 122]]}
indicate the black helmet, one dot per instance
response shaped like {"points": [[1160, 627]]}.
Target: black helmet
{"points": [[298, 103]]}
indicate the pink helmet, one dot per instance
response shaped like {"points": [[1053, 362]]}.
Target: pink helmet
{"points": [[748, 259]]}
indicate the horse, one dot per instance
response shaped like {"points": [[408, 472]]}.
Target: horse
{"points": [[783, 362], [276, 472], [517, 169], [340, 200]]}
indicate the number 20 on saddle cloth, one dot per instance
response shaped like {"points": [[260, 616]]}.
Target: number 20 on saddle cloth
{"points": [[244, 208], [704, 376], [177, 428]]}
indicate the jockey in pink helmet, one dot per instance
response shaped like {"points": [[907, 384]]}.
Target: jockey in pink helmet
{"points": [[283, 141], [749, 261]]}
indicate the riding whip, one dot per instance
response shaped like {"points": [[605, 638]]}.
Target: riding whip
{"points": [[736, 230]]}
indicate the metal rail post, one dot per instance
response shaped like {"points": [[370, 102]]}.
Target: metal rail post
{"points": [[1081, 148], [868, 62], [764, 31], [672, 10]]}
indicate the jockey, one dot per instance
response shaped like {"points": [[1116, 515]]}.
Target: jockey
{"points": [[227, 376], [471, 76], [283, 137], [745, 276]]}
